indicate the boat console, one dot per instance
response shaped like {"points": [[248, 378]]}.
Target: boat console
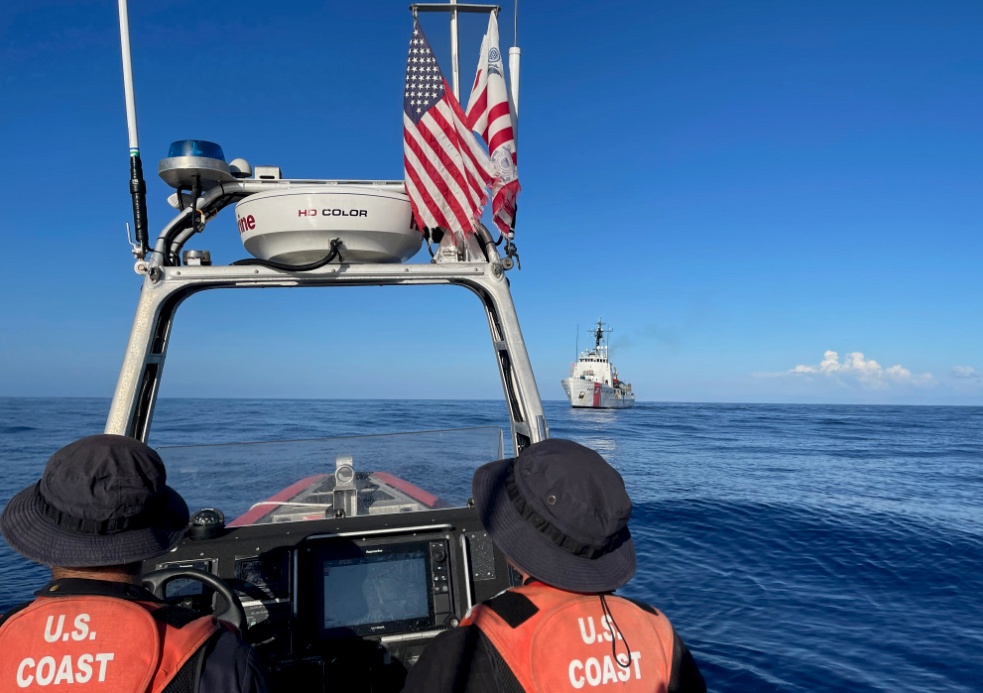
{"points": [[343, 604]]}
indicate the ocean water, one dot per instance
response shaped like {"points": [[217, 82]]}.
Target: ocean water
{"points": [[794, 547]]}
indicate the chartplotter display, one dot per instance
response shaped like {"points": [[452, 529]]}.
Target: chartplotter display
{"points": [[379, 587]]}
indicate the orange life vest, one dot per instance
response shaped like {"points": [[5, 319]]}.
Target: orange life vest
{"points": [[95, 643], [569, 643]]}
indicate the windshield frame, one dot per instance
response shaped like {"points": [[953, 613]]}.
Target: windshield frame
{"points": [[166, 288]]}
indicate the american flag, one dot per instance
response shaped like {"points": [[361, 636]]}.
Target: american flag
{"points": [[490, 115], [447, 172]]}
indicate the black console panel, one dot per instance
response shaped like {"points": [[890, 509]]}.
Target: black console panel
{"points": [[346, 604]]}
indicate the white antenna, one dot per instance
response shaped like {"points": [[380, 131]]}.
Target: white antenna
{"points": [[456, 76], [514, 53], [138, 188], [131, 107]]}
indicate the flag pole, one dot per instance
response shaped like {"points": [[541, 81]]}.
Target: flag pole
{"points": [[514, 53], [455, 69], [138, 188]]}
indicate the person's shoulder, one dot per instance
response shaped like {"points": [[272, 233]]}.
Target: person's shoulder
{"points": [[13, 610], [512, 606], [648, 608]]}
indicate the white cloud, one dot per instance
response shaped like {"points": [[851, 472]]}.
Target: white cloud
{"points": [[966, 373], [866, 372]]}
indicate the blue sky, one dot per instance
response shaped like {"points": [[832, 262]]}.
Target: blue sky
{"points": [[768, 201]]}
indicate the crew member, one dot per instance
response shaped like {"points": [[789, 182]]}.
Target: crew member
{"points": [[101, 507], [560, 514]]}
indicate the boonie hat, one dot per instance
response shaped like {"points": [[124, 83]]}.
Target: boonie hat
{"points": [[560, 512], [102, 500]]}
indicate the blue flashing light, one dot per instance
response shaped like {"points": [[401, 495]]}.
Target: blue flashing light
{"points": [[196, 148]]}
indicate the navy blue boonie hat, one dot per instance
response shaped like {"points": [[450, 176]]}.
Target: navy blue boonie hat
{"points": [[560, 512], [101, 501]]}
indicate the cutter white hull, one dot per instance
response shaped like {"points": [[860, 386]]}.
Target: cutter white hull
{"points": [[590, 394]]}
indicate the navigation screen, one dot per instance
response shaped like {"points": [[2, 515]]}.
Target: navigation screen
{"points": [[379, 587]]}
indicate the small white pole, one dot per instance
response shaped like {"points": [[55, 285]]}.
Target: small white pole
{"points": [[131, 108], [138, 188], [514, 53], [454, 68]]}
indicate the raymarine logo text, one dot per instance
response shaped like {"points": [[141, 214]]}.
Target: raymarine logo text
{"points": [[247, 223]]}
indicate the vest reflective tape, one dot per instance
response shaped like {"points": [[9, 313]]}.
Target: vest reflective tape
{"points": [[570, 643], [95, 643]]}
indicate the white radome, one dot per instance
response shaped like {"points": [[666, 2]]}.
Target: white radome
{"points": [[297, 226]]}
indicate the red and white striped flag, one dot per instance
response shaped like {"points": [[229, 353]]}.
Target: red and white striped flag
{"points": [[447, 172], [490, 115]]}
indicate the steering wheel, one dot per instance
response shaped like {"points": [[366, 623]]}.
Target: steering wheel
{"points": [[232, 611]]}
